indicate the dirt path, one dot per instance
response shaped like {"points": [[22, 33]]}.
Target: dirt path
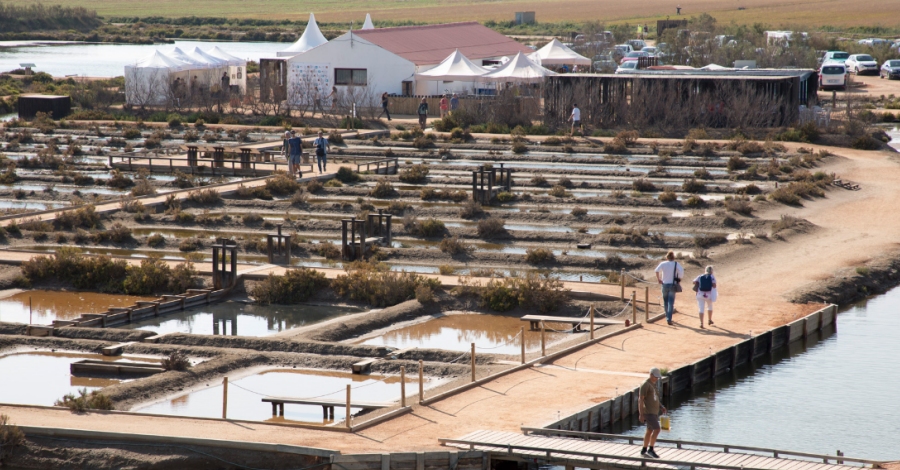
{"points": [[755, 281]]}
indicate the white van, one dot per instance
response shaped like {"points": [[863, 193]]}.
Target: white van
{"points": [[832, 75]]}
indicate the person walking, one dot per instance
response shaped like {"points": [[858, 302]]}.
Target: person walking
{"points": [[648, 412], [384, 106], [445, 106], [705, 287], [333, 97], [575, 117], [322, 146], [295, 150], [423, 113], [454, 103], [669, 274]]}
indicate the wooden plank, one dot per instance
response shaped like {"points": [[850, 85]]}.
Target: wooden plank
{"points": [[327, 402]]}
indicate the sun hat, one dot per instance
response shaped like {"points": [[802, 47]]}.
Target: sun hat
{"points": [[655, 372]]}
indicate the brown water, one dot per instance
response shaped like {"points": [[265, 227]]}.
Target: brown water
{"points": [[245, 395], [494, 334], [49, 305], [42, 377]]}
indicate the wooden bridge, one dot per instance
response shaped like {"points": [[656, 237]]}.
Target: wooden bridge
{"points": [[608, 451], [327, 404]]}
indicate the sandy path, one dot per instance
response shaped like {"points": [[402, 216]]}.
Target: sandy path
{"points": [[852, 226]]}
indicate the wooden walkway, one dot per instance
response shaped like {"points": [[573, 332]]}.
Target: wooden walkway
{"points": [[594, 453]]}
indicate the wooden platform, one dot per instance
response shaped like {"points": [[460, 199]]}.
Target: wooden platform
{"points": [[607, 454], [327, 404], [576, 322]]}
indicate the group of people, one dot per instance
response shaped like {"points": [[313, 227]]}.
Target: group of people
{"points": [[448, 105], [293, 151]]}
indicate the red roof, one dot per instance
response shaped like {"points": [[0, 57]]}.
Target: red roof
{"points": [[430, 44]]}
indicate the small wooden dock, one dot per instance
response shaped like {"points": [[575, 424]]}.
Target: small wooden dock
{"points": [[327, 405], [535, 321], [607, 451]]}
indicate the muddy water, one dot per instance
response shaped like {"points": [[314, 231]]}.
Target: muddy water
{"points": [[245, 395], [42, 377], [837, 391], [48, 305], [494, 334], [238, 318]]}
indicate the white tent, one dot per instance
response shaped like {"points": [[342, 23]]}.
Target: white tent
{"points": [[310, 38], [181, 56], [456, 67], [368, 24], [519, 69], [232, 60], [556, 53], [237, 67], [147, 81]]}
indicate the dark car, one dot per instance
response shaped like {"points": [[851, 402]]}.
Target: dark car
{"points": [[890, 69]]}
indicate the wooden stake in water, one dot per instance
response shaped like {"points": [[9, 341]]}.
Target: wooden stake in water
{"points": [[543, 340], [225, 398], [403, 386], [591, 311], [522, 340], [348, 407], [30, 311], [421, 382], [473, 362]]}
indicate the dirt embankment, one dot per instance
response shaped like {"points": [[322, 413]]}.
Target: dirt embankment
{"points": [[853, 283]]}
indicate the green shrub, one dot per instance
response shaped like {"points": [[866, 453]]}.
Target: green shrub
{"points": [[67, 265], [282, 185], [539, 256], [415, 174], [455, 246], [333, 183], [866, 143], [736, 163], [505, 196], [314, 186], [430, 228], [694, 201], [328, 250], [156, 240], [176, 361], [558, 191], [85, 401], [542, 293], [86, 217], [693, 186], [346, 175], [377, 285], [190, 244], [383, 189], [295, 286], [155, 275], [519, 147], [205, 196]]}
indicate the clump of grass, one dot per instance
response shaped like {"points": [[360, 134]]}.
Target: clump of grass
{"points": [[378, 286], [862, 271], [95, 400], [446, 270], [205, 197], [11, 437], [693, 186], [156, 240], [455, 246], [491, 227], [190, 244], [415, 174], [539, 256], [333, 183], [383, 189], [470, 209], [295, 286], [643, 185], [176, 361], [558, 191], [667, 196], [282, 185], [505, 196], [579, 212], [430, 228], [346, 175], [786, 222]]}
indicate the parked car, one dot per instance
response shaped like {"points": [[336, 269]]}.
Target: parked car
{"points": [[621, 50], [873, 42], [835, 56], [636, 44], [604, 63], [627, 67], [833, 75], [861, 63], [634, 56], [650, 50], [890, 69]]}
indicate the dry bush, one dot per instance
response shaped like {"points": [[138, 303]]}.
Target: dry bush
{"points": [[85, 401], [539, 180], [190, 244], [491, 227], [455, 246], [299, 199], [628, 137], [532, 291], [156, 240], [378, 286], [415, 174], [205, 197], [446, 269], [740, 206], [176, 361], [314, 186], [750, 147], [383, 189], [470, 209], [328, 250], [786, 222], [143, 187], [693, 186], [131, 205], [579, 212], [424, 294], [430, 228], [706, 241], [86, 217], [297, 285], [282, 185], [558, 191], [11, 437], [643, 185], [539, 256], [564, 182], [399, 207], [615, 146]]}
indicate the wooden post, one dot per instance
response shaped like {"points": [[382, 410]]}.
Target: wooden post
{"points": [[348, 407], [473, 362], [633, 308], [622, 285], [522, 341], [225, 398], [421, 382], [647, 304], [592, 321], [30, 310], [543, 340], [403, 386]]}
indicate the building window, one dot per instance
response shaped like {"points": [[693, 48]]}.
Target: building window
{"points": [[356, 77]]}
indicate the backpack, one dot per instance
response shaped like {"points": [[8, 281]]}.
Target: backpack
{"points": [[706, 282]]}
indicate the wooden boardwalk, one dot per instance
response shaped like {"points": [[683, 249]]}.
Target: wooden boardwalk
{"points": [[604, 454]]}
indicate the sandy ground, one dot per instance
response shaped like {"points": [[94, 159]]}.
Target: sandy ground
{"points": [[754, 283]]}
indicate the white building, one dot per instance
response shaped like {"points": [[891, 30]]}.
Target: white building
{"points": [[387, 59]]}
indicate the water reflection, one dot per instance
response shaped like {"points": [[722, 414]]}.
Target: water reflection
{"points": [[495, 334], [49, 305], [245, 395], [238, 318]]}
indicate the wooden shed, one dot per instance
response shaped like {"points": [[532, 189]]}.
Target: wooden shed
{"points": [[57, 106], [680, 99]]}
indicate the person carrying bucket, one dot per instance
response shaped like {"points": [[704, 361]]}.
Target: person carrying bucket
{"points": [[648, 409]]}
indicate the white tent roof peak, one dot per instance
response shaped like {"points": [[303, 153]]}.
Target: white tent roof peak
{"points": [[455, 67], [209, 59], [158, 60], [368, 24], [556, 53], [181, 56], [219, 53], [310, 38], [519, 69]]}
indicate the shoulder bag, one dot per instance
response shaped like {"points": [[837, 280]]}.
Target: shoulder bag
{"points": [[676, 278]]}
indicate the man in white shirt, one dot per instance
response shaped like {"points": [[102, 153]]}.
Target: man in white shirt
{"points": [[668, 274], [575, 117]]}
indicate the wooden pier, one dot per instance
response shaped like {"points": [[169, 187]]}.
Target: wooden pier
{"points": [[327, 404]]}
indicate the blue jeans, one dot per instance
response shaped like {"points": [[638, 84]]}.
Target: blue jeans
{"points": [[323, 162], [668, 297]]}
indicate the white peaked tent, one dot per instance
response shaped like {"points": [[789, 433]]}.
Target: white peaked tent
{"points": [[147, 80], [456, 67], [368, 24], [181, 56], [556, 53], [519, 69], [232, 60], [237, 67], [310, 38]]}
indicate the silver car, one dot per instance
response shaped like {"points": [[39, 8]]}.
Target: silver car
{"points": [[862, 63], [890, 69]]}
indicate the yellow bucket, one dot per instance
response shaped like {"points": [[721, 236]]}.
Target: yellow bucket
{"points": [[664, 422]]}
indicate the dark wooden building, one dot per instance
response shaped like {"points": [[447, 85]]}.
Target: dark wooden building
{"points": [[57, 106], [677, 99]]}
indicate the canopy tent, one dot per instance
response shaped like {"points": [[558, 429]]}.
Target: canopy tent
{"points": [[237, 67], [181, 56], [368, 23], [219, 53], [456, 67], [147, 80], [556, 53], [310, 38], [519, 69]]}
